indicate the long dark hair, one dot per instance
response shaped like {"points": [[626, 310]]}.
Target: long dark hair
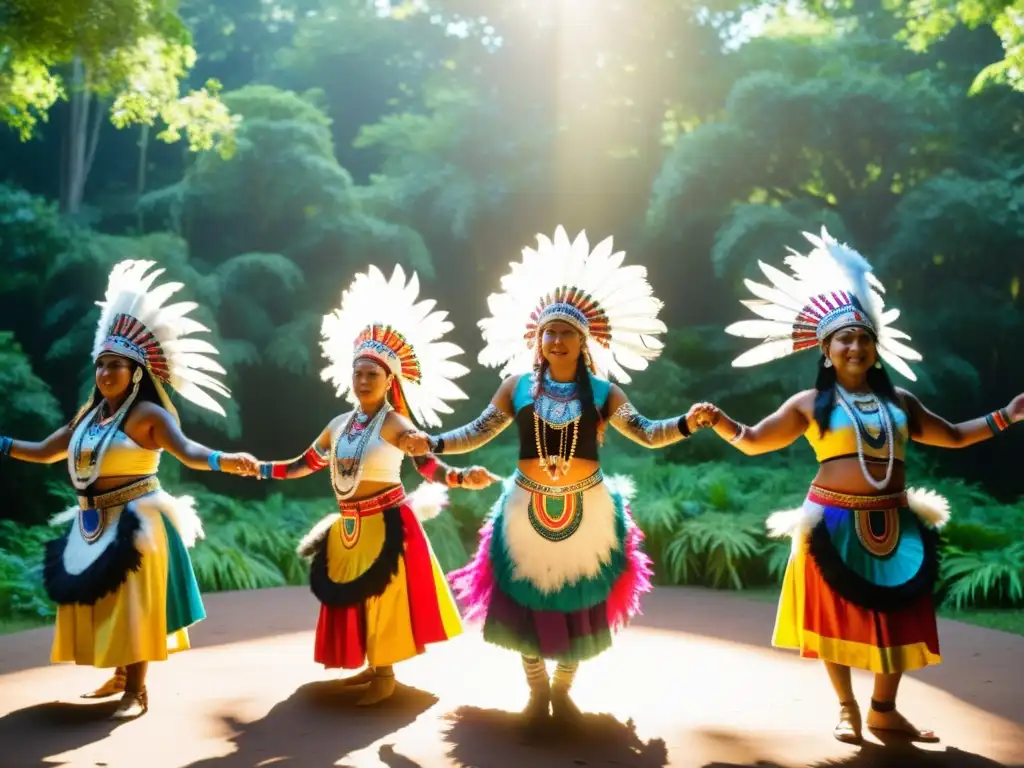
{"points": [[825, 385], [147, 394]]}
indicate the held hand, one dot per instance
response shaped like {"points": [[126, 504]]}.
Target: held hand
{"points": [[702, 415], [478, 478], [242, 464], [415, 443], [1016, 408]]}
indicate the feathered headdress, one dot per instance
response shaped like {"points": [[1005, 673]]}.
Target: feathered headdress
{"points": [[382, 320], [612, 306], [831, 287], [136, 322]]}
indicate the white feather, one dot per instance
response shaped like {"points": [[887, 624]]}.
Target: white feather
{"points": [[622, 292], [830, 267], [372, 299], [311, 541], [428, 500], [932, 508], [130, 291]]}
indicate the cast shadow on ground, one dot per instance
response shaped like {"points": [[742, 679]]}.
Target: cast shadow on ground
{"points": [[894, 752], [477, 736], [318, 725], [52, 728]]}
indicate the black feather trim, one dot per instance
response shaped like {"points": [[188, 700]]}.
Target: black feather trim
{"points": [[858, 590], [371, 582], [106, 574]]}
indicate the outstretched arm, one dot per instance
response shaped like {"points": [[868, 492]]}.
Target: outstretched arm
{"points": [[163, 430], [315, 458], [628, 421], [931, 429], [436, 471], [484, 428], [48, 451], [772, 433]]}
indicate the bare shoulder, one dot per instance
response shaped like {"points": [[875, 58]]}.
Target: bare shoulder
{"points": [[147, 412], [803, 402]]}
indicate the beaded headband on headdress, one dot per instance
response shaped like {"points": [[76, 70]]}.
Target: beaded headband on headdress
{"points": [[612, 306], [830, 288]]}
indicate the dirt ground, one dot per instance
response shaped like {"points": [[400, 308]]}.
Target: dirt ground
{"points": [[692, 683]]}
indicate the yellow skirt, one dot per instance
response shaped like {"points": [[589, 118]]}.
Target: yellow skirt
{"points": [[148, 616], [383, 595]]}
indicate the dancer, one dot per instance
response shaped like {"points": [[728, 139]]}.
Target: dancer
{"points": [[383, 595], [120, 575], [858, 588], [560, 564]]}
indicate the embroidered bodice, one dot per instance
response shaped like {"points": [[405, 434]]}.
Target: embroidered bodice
{"points": [[557, 407]]}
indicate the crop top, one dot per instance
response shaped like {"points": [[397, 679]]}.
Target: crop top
{"points": [[379, 461], [840, 441], [556, 406], [122, 458]]}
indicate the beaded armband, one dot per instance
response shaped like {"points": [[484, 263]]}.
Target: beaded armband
{"points": [[998, 421]]}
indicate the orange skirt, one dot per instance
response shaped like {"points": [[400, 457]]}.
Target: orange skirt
{"points": [[821, 624]]}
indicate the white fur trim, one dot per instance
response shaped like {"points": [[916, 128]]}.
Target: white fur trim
{"points": [[550, 565], [622, 485], [932, 508], [180, 511], [311, 541], [428, 500], [794, 522]]}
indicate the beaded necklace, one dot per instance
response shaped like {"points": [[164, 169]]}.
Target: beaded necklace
{"points": [[557, 407], [348, 446], [869, 403]]}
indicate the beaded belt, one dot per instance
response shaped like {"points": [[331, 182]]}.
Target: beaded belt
{"points": [[374, 504], [119, 496], [827, 498], [558, 490], [92, 513]]}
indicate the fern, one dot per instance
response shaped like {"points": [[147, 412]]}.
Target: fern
{"points": [[986, 578]]}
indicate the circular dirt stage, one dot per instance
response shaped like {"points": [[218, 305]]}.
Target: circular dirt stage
{"points": [[692, 683]]}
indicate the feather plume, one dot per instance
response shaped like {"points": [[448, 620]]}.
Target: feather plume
{"points": [[618, 300], [421, 359], [170, 355], [793, 305]]}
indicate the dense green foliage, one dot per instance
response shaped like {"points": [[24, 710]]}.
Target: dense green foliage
{"points": [[445, 140]]}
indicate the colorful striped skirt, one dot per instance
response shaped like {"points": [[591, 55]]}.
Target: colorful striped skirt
{"points": [[557, 570], [383, 594], [122, 578], [858, 590]]}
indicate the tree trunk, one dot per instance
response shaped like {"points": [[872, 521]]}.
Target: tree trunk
{"points": [[140, 177], [81, 139]]}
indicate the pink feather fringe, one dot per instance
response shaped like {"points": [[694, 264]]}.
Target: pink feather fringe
{"points": [[624, 599], [474, 583]]}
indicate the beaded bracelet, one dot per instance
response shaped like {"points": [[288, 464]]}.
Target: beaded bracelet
{"points": [[214, 461], [998, 421], [5, 446]]}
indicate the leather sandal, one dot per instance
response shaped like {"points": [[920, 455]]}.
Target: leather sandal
{"points": [[115, 685]]}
